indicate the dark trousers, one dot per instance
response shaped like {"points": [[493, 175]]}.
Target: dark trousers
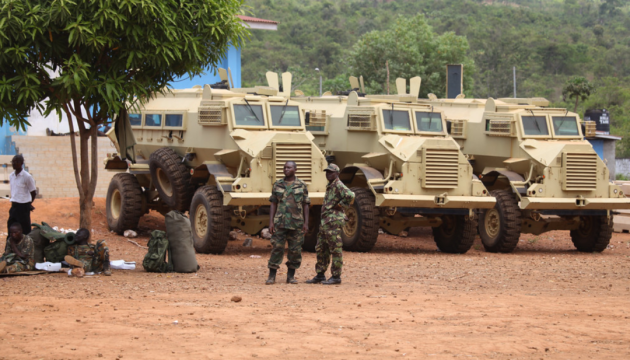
{"points": [[20, 213]]}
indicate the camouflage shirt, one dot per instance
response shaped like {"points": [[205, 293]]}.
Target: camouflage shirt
{"points": [[290, 198], [336, 194], [26, 247], [80, 252]]}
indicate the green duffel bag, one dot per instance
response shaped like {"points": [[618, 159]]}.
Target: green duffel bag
{"points": [[56, 251], [181, 242], [48, 232], [39, 243], [155, 259]]}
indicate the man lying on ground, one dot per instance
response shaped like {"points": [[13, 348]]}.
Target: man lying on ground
{"points": [[19, 253], [89, 257]]}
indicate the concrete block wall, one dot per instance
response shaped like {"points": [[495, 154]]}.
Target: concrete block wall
{"points": [[49, 160]]}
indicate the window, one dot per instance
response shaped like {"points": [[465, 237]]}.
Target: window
{"points": [[396, 120], [249, 115], [154, 120], [535, 125], [135, 119], [565, 126], [315, 121], [285, 116], [174, 120], [429, 121]]}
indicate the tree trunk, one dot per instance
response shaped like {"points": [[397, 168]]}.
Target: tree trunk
{"points": [[85, 166], [577, 98]]}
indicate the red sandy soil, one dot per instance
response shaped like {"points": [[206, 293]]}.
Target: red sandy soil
{"points": [[402, 300]]}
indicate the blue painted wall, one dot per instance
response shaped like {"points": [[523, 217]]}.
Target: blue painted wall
{"points": [[598, 146], [232, 61], [7, 146]]}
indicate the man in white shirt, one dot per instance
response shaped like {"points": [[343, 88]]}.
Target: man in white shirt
{"points": [[23, 194]]}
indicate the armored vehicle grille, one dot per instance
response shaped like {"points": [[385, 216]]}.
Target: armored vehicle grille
{"points": [[590, 129], [211, 115], [500, 128], [458, 128], [361, 121], [440, 168], [580, 171], [300, 153]]}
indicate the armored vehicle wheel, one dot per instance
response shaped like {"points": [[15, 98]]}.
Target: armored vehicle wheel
{"points": [[171, 179], [361, 230], [124, 203], [314, 219], [500, 227], [210, 220], [456, 234], [593, 235]]}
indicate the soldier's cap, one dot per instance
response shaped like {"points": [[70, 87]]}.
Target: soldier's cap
{"points": [[332, 167]]}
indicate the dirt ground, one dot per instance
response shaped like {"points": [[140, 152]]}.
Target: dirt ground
{"points": [[402, 300]]}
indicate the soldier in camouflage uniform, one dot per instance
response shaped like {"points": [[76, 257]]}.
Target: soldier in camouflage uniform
{"points": [[337, 198], [288, 222], [19, 252], [92, 258]]}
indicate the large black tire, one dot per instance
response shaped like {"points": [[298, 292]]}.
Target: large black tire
{"points": [[171, 178], [124, 203], [456, 234], [361, 230], [594, 233], [210, 220], [500, 227], [314, 219]]}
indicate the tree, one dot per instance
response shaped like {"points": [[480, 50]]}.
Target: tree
{"points": [[93, 59], [412, 49], [577, 87]]}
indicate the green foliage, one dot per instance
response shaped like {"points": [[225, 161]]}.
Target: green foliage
{"points": [[412, 49], [90, 58], [577, 87], [621, 177]]}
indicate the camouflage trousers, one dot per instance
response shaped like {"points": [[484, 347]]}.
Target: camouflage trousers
{"points": [[13, 265], [95, 262], [329, 244], [295, 239]]}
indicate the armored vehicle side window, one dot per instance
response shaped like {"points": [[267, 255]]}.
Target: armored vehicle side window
{"points": [[285, 116], [249, 115], [174, 120], [535, 125], [315, 121], [429, 121], [135, 119], [396, 120], [565, 126], [153, 120]]}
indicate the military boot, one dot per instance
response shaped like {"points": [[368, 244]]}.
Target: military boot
{"points": [[334, 280], [320, 277], [73, 261], [107, 270], [272, 277], [291, 276]]}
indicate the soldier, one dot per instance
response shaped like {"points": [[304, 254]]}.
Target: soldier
{"points": [[89, 257], [288, 222], [337, 198], [19, 253]]}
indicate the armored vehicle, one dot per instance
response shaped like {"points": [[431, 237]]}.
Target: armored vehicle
{"points": [[405, 171], [215, 152], [536, 163]]}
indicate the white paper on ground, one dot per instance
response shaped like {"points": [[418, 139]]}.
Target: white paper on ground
{"points": [[122, 265], [48, 266]]}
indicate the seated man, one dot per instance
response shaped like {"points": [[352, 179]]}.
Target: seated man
{"points": [[92, 258], [19, 253]]}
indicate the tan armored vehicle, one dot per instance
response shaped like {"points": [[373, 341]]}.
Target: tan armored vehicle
{"points": [[536, 163], [214, 152], [397, 157]]}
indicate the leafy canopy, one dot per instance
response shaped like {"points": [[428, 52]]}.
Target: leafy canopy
{"points": [[91, 57], [412, 49], [577, 87]]}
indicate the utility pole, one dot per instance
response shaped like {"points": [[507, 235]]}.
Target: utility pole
{"points": [[320, 81], [514, 77]]}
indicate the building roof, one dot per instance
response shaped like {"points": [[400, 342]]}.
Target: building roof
{"points": [[250, 19], [605, 137]]}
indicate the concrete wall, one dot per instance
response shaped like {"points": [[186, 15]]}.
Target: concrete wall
{"points": [[623, 167], [49, 160]]}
